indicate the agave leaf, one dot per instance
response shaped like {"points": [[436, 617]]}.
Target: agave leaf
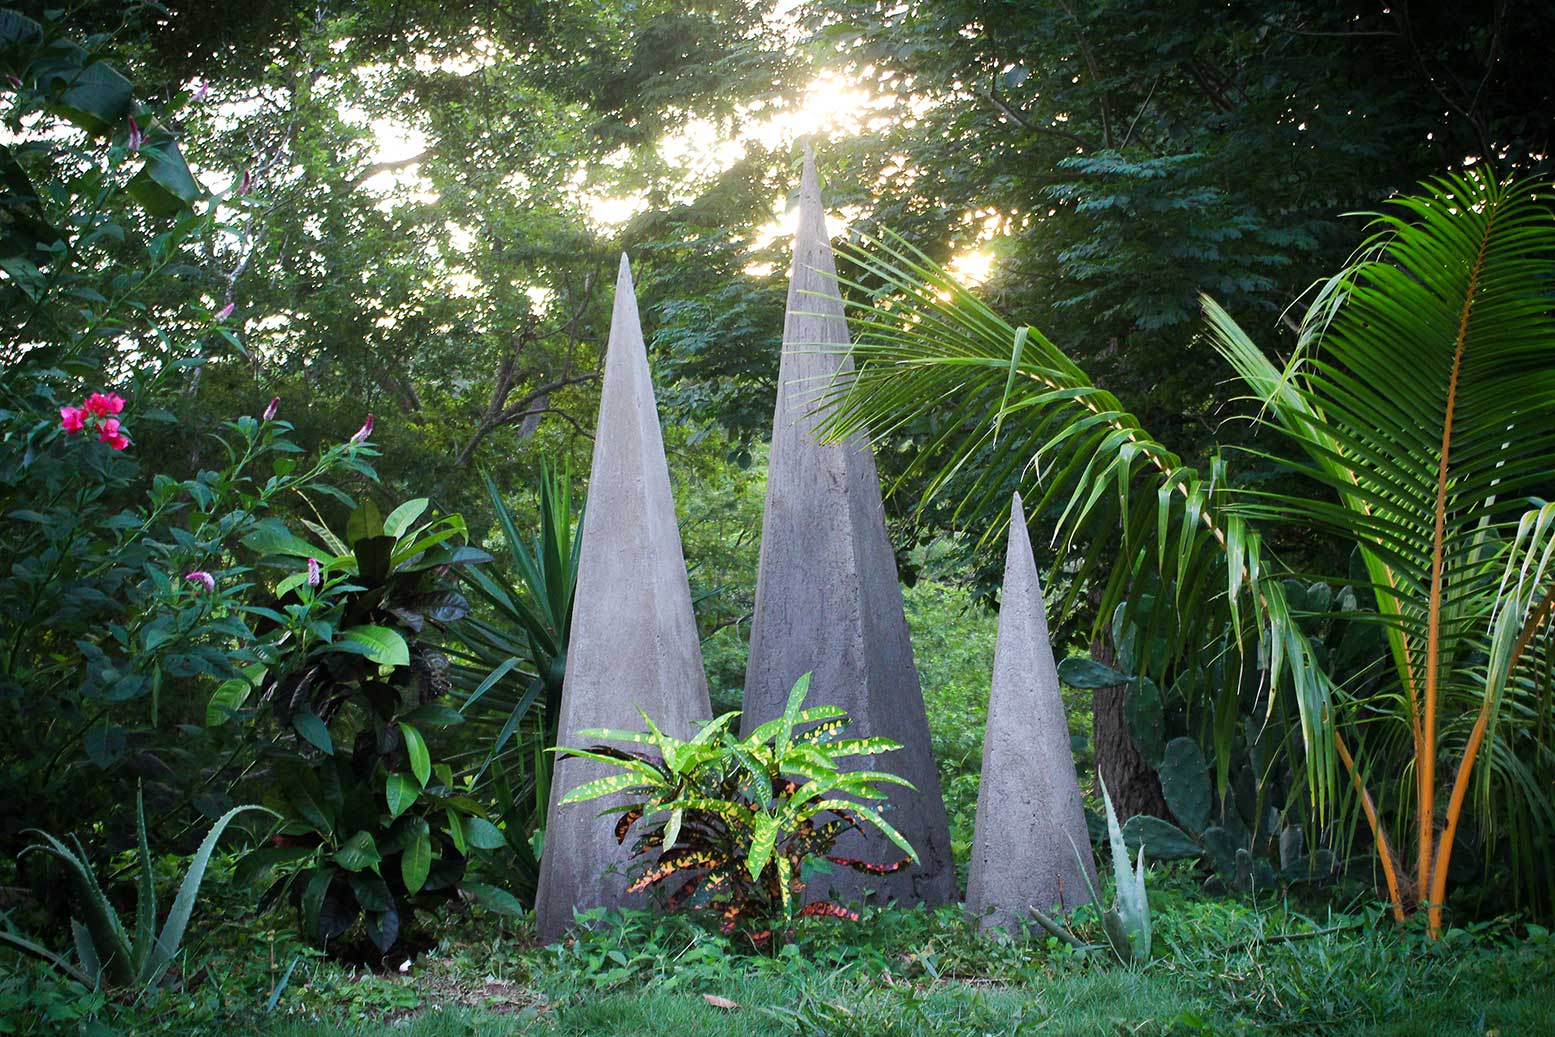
{"points": [[86, 954], [90, 980], [145, 894], [183, 904], [102, 921]]}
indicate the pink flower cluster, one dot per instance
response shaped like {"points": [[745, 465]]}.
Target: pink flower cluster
{"points": [[97, 411]]}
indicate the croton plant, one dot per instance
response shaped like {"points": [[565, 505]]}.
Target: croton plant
{"points": [[738, 826]]}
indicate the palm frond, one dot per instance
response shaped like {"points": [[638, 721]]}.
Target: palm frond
{"points": [[1006, 409]]}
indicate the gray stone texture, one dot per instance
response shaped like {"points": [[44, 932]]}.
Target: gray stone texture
{"points": [[634, 643], [827, 597], [1030, 821]]}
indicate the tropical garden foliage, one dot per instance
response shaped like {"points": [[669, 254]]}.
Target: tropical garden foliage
{"points": [[302, 311], [1420, 365]]}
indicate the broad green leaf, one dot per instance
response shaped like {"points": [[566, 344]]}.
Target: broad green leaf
{"points": [[497, 901], [791, 711], [400, 792], [226, 700], [164, 185], [404, 516], [271, 537], [313, 900], [307, 724], [1081, 672], [359, 852], [764, 833], [610, 783], [1164, 840], [483, 835], [382, 645], [416, 861], [365, 522], [672, 828], [416, 749], [456, 831]]}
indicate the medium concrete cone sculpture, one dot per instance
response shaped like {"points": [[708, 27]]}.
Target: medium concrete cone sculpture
{"points": [[1030, 847], [827, 597], [634, 643]]}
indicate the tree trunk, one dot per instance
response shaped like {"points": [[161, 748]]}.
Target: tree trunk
{"points": [[1132, 783]]}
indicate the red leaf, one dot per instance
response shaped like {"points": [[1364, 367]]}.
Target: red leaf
{"points": [[870, 868], [828, 910]]}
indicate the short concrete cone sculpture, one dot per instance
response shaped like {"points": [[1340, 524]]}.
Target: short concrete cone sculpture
{"points": [[634, 642], [1030, 847], [827, 598]]}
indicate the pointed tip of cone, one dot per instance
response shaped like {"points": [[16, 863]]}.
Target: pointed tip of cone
{"points": [[1017, 518], [625, 272], [1018, 550]]}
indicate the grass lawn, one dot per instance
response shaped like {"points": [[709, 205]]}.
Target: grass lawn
{"points": [[1220, 966], [1106, 1002]]}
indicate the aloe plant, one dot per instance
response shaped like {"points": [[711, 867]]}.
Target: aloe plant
{"points": [[1126, 923], [108, 954]]}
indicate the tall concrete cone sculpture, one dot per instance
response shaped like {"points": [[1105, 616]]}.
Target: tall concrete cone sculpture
{"points": [[1030, 847], [827, 598], [634, 642]]}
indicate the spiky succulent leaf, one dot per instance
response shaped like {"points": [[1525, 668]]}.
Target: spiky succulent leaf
{"points": [[183, 904]]}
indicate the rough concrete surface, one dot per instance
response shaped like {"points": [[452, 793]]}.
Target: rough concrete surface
{"points": [[1030, 847], [634, 643], [827, 597]]}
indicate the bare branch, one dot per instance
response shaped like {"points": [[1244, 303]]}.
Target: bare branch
{"points": [[1026, 124], [532, 404], [1090, 64]]}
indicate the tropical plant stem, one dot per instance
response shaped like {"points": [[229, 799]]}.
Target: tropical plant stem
{"points": [[1460, 785], [1426, 766], [1379, 836]]}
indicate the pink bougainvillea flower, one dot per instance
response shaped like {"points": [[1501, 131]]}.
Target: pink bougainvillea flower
{"points": [[202, 577], [315, 575], [72, 419], [199, 95], [270, 409], [100, 405], [108, 432], [136, 137], [226, 311], [365, 431]]}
